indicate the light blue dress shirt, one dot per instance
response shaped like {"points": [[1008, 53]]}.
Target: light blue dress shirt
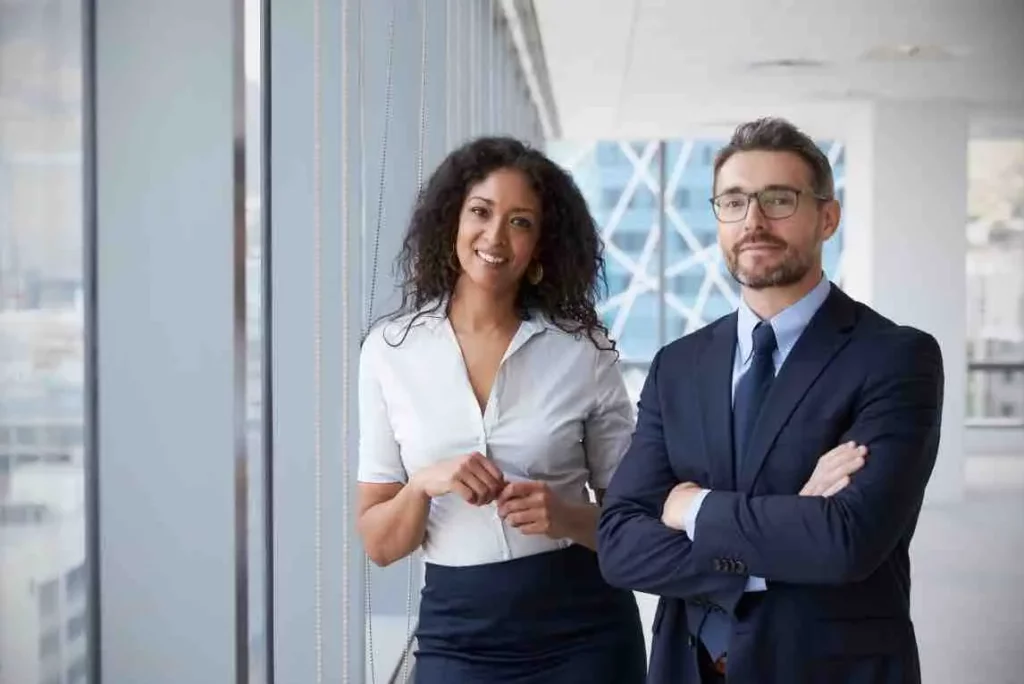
{"points": [[788, 325]]}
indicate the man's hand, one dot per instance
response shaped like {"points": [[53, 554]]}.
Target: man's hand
{"points": [[829, 477], [673, 513], [834, 470]]}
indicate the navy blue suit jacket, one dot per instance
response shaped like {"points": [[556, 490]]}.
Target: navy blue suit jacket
{"points": [[837, 607]]}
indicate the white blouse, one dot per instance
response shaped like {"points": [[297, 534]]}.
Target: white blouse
{"points": [[558, 413]]}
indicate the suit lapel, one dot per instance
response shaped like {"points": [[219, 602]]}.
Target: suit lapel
{"points": [[824, 336], [716, 402]]}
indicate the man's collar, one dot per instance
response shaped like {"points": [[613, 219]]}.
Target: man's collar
{"points": [[788, 324]]}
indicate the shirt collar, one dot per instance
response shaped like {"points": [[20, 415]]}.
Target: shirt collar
{"points": [[787, 325]]}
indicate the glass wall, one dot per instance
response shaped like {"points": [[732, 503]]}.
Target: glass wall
{"points": [[199, 331], [995, 282], [43, 577], [659, 290]]}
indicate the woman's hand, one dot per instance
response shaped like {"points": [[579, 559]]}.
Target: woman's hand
{"points": [[532, 508], [472, 476]]}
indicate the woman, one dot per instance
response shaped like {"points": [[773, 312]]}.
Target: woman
{"points": [[487, 405]]}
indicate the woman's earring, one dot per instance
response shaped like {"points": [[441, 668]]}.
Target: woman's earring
{"points": [[536, 273]]}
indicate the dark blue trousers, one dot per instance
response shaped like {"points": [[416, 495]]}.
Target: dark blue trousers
{"points": [[543, 619]]}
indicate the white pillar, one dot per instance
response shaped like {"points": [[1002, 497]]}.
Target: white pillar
{"points": [[905, 243]]}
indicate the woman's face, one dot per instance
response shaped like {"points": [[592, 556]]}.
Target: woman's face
{"points": [[499, 226]]}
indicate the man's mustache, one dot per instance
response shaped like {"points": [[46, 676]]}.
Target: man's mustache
{"points": [[757, 241]]}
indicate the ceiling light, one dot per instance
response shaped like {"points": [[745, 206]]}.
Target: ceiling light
{"points": [[911, 51], [790, 63]]}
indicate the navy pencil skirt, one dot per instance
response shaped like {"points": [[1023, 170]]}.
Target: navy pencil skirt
{"points": [[549, 618]]}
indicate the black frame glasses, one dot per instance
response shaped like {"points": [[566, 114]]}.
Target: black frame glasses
{"points": [[775, 202]]}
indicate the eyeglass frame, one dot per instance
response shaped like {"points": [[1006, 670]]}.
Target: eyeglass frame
{"points": [[756, 195]]}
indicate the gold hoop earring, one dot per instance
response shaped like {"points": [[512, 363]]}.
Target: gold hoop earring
{"points": [[536, 273]]}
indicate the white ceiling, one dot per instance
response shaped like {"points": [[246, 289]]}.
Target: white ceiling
{"points": [[646, 68]]}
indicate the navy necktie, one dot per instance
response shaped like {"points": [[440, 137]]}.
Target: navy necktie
{"points": [[751, 391]]}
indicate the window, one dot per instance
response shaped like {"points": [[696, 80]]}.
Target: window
{"points": [[995, 280], [682, 198], [631, 242], [687, 283], [49, 644], [41, 324], [642, 198], [49, 598], [74, 582], [78, 672], [609, 154], [76, 627], [14, 515], [610, 197], [25, 436]]}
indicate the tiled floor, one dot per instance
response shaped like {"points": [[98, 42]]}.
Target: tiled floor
{"points": [[968, 591]]}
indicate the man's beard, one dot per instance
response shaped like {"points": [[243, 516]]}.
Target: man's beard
{"points": [[790, 270]]}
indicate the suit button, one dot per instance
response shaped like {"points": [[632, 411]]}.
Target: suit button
{"points": [[741, 567], [719, 565]]}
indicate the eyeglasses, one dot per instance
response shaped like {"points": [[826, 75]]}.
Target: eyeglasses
{"points": [[775, 203]]}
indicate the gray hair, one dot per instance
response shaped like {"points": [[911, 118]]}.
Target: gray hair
{"points": [[778, 135]]}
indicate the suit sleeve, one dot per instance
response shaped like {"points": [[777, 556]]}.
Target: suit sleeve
{"points": [[635, 549], [845, 538]]}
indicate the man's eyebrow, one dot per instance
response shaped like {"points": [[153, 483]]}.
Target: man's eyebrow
{"points": [[773, 186]]}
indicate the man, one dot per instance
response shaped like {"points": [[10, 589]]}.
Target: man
{"points": [[773, 563]]}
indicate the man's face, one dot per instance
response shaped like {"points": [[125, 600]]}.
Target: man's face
{"points": [[775, 239]]}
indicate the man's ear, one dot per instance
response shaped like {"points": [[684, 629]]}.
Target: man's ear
{"points": [[832, 214]]}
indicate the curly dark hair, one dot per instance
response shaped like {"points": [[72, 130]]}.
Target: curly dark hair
{"points": [[569, 248]]}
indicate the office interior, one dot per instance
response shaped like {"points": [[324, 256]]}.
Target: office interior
{"points": [[200, 204]]}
